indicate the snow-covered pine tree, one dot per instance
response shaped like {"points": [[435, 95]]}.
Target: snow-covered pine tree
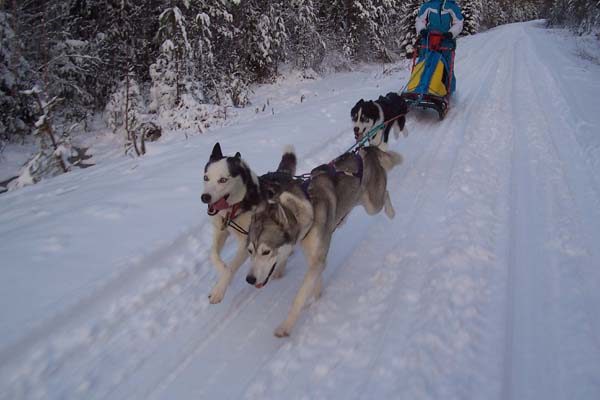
{"points": [[173, 28], [218, 54], [381, 23], [471, 11], [55, 149], [164, 93], [263, 37], [16, 109], [123, 111], [305, 44], [492, 14], [336, 27], [407, 33], [498, 12]]}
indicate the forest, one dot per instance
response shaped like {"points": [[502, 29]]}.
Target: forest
{"points": [[180, 64]]}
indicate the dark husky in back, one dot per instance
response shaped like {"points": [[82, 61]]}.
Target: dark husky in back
{"points": [[368, 114]]}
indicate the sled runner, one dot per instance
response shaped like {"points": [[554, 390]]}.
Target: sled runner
{"points": [[430, 83]]}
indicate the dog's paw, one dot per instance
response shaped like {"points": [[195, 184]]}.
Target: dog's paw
{"points": [[216, 295], [279, 273], [390, 212], [281, 332]]}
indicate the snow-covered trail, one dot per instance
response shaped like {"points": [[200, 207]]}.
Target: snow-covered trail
{"points": [[484, 286]]}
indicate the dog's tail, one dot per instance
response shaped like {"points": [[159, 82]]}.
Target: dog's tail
{"points": [[288, 161], [389, 159]]}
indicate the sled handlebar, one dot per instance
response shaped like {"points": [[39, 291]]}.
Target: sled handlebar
{"points": [[434, 41]]}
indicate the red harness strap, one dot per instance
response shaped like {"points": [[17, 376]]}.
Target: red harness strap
{"points": [[229, 219]]}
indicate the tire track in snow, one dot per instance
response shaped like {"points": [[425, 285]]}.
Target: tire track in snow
{"points": [[552, 326], [431, 290], [76, 339]]}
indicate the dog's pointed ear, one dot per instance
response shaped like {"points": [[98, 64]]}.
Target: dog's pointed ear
{"points": [[238, 155], [260, 207], [282, 217], [216, 154], [300, 208], [361, 101]]}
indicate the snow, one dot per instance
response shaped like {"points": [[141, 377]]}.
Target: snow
{"points": [[484, 286]]}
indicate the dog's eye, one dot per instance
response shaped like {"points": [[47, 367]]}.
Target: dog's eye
{"points": [[266, 252], [250, 251], [222, 180], [205, 178]]}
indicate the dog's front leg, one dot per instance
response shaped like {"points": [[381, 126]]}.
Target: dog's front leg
{"points": [[218, 291], [219, 239], [316, 251], [307, 288]]}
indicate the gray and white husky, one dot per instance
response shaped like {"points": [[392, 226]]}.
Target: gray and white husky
{"points": [[308, 213], [232, 192]]}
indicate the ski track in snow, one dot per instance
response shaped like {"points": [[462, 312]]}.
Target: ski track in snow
{"points": [[484, 286]]}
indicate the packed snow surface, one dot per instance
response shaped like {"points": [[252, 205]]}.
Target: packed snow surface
{"points": [[484, 286]]}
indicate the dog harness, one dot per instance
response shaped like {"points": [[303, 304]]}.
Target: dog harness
{"points": [[331, 171], [230, 217], [228, 221]]}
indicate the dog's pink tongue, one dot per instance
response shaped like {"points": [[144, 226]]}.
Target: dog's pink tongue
{"points": [[219, 205], [259, 285]]}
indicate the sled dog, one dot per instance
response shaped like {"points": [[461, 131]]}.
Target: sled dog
{"points": [[307, 213], [368, 114], [232, 192]]}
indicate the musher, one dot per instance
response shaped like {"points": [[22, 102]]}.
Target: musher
{"points": [[442, 16]]}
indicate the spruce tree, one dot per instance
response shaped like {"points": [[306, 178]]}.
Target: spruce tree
{"points": [[471, 11], [408, 34], [16, 109]]}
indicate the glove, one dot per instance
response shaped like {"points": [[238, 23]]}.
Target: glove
{"points": [[423, 32], [448, 35]]}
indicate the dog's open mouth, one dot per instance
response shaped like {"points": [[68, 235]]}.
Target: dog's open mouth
{"points": [[261, 285], [359, 135], [218, 205]]}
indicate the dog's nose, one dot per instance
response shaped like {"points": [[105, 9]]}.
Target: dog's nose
{"points": [[205, 198], [356, 130], [251, 279]]}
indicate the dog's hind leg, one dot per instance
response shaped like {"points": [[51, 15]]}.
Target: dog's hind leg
{"points": [[396, 128], [388, 207], [371, 206], [218, 291], [402, 125]]}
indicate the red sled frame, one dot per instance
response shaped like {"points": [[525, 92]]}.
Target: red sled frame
{"points": [[425, 100]]}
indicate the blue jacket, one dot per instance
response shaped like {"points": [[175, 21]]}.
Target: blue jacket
{"points": [[441, 16]]}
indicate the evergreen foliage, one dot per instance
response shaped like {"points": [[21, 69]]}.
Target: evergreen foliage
{"points": [[471, 10], [186, 55], [583, 16], [408, 34], [498, 12], [16, 109]]}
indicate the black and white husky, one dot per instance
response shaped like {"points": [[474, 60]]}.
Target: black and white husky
{"points": [[368, 114], [308, 213], [232, 192]]}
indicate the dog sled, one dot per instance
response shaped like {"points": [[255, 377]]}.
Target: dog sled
{"points": [[430, 84]]}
